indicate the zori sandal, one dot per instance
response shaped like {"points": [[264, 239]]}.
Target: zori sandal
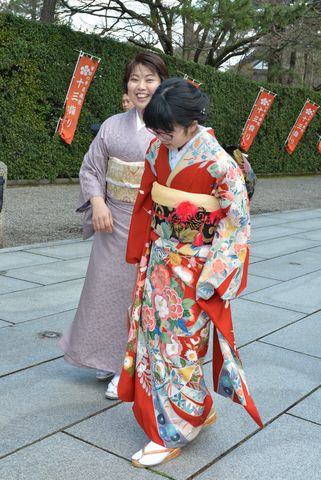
{"points": [[148, 458], [212, 417]]}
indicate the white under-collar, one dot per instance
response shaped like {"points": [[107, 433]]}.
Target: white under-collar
{"points": [[139, 122]]}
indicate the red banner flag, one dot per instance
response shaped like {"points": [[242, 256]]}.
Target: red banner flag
{"points": [[307, 113], [258, 113], [319, 145], [84, 72]]}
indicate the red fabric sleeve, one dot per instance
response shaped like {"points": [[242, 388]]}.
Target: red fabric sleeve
{"points": [[141, 220]]}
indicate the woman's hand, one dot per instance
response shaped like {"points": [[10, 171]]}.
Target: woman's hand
{"points": [[102, 218]]}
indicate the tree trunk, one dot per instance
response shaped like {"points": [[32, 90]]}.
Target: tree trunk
{"points": [[291, 75], [189, 40], [34, 10], [47, 14]]}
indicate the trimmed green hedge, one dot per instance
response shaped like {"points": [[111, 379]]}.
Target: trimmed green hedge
{"points": [[36, 65]]}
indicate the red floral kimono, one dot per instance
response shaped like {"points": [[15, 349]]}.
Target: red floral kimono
{"points": [[189, 234]]}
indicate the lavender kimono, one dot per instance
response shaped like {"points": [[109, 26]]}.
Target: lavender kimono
{"points": [[98, 335]]}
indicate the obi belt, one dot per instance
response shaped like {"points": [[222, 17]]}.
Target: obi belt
{"points": [[123, 179], [183, 216]]}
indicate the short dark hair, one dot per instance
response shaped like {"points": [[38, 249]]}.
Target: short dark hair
{"points": [[151, 61], [175, 102]]}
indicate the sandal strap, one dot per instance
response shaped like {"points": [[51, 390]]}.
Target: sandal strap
{"points": [[153, 452]]}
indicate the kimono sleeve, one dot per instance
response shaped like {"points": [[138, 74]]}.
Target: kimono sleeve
{"points": [[92, 175], [139, 232], [225, 269]]}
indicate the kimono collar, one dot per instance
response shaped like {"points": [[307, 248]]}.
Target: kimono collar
{"points": [[188, 154], [139, 122]]}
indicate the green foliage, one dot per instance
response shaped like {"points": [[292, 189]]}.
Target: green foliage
{"points": [[37, 62]]}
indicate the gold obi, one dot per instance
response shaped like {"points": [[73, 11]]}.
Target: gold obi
{"points": [[184, 216], [123, 179], [170, 197]]}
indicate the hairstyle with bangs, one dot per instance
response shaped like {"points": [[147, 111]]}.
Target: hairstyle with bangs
{"points": [[175, 102], [150, 60]]}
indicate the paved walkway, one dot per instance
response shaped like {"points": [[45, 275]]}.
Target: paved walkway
{"points": [[55, 422]]}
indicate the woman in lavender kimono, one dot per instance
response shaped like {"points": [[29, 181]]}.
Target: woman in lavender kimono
{"points": [[189, 233], [109, 179]]}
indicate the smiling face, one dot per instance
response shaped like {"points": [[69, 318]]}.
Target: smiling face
{"points": [[141, 85]]}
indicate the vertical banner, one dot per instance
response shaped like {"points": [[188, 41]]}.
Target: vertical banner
{"points": [[319, 145], [307, 113], [83, 74], [258, 113]]}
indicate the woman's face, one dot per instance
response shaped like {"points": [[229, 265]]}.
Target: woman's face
{"points": [[178, 137], [126, 103], [141, 85]]}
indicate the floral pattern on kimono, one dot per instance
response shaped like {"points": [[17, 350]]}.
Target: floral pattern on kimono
{"points": [[181, 289]]}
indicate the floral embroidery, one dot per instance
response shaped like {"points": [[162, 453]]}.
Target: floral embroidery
{"points": [[160, 277], [191, 355], [148, 318], [174, 303], [218, 266], [160, 304]]}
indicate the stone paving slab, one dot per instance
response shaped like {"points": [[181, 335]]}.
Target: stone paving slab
{"points": [[274, 231], [41, 301], [46, 398], [8, 285], [293, 215], [300, 294], [59, 271], [289, 266], [32, 246], [21, 259], [275, 247], [289, 448], [316, 250], [303, 336], [117, 431], [309, 408], [255, 283], [4, 324], [278, 380], [254, 320], [266, 220], [312, 235], [67, 251], [310, 224], [23, 345], [63, 457], [255, 259]]}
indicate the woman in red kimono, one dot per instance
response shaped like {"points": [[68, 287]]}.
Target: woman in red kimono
{"points": [[189, 235]]}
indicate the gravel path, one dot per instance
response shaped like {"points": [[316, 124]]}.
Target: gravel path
{"points": [[36, 214]]}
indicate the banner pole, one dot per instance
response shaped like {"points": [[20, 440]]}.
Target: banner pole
{"points": [[73, 75], [87, 54], [58, 123]]}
